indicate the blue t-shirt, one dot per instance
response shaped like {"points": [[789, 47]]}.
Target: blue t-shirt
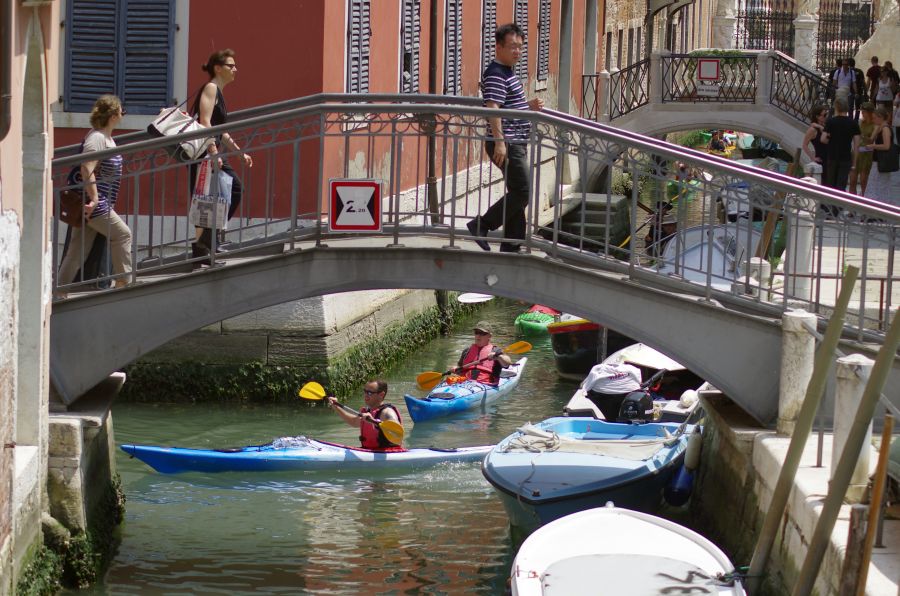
{"points": [[501, 86]]}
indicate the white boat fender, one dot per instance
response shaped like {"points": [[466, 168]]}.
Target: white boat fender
{"points": [[688, 398], [692, 451]]}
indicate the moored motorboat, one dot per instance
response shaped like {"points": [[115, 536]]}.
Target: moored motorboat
{"points": [[450, 398], [615, 551], [295, 453], [601, 393], [578, 344], [534, 321], [563, 465]]}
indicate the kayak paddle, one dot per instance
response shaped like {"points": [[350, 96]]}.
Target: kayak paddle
{"points": [[428, 380], [392, 429]]}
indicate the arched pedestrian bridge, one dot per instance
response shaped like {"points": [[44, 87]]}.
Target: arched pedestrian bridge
{"points": [[708, 313], [763, 92]]}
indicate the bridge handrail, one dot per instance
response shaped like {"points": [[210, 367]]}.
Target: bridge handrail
{"points": [[297, 150], [629, 88], [795, 89]]}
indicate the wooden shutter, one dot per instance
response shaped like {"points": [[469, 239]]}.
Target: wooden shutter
{"points": [[145, 55], [452, 46], [488, 32], [358, 33], [91, 41], [409, 53], [543, 65], [521, 19]]}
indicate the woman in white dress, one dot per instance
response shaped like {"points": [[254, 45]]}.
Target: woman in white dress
{"points": [[883, 186]]}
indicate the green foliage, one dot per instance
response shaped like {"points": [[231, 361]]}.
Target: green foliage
{"points": [[42, 575], [689, 138], [82, 561], [258, 382], [621, 183]]}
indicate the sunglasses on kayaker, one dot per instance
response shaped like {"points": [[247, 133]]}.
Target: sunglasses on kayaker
{"points": [[367, 392]]}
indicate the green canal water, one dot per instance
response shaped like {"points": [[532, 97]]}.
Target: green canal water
{"points": [[439, 531]]}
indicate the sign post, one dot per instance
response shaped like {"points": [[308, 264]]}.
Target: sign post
{"points": [[354, 205]]}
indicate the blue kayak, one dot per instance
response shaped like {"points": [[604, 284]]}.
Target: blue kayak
{"points": [[446, 399], [295, 453]]}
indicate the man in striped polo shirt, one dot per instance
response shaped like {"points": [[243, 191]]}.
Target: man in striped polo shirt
{"points": [[507, 141]]}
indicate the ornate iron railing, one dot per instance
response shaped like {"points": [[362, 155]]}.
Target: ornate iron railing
{"points": [[692, 247], [843, 27], [795, 89], [736, 82], [629, 88], [765, 25]]}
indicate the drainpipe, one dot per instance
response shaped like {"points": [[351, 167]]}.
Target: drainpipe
{"points": [[430, 176], [5, 68]]}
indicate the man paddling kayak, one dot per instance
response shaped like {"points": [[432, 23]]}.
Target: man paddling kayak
{"points": [[483, 360], [370, 416]]}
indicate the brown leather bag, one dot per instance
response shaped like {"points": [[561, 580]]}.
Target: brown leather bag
{"points": [[71, 207]]}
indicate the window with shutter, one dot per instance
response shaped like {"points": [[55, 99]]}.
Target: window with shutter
{"points": [[520, 17], [488, 32], [121, 47], [409, 53], [543, 65], [630, 46], [452, 46], [358, 33]]}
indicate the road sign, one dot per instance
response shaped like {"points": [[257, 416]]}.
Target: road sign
{"points": [[355, 205], [708, 69]]}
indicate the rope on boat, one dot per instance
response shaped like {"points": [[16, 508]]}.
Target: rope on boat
{"points": [[536, 440]]}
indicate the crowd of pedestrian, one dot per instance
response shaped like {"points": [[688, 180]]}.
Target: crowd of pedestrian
{"points": [[855, 139]]}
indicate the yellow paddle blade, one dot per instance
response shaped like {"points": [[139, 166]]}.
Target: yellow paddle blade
{"points": [[520, 347], [428, 380], [392, 430], [313, 391]]}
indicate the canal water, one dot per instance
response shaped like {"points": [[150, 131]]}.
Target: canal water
{"points": [[438, 531]]}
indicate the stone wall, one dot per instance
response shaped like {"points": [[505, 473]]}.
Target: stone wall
{"points": [[9, 268]]}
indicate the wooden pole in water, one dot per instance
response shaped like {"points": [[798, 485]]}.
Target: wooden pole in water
{"points": [[884, 455], [802, 428], [841, 478]]}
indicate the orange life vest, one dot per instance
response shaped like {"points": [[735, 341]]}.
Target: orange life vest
{"points": [[370, 435], [487, 371]]}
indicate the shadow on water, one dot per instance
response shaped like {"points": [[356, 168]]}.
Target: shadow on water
{"points": [[437, 531]]}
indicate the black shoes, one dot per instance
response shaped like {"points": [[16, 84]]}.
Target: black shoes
{"points": [[476, 231], [508, 247]]}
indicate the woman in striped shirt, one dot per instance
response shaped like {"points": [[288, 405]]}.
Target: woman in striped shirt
{"points": [[101, 187]]}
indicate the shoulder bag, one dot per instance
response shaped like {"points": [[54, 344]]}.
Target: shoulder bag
{"points": [[174, 121], [71, 199]]}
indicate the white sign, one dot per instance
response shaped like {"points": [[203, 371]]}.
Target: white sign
{"points": [[355, 205], [707, 90]]}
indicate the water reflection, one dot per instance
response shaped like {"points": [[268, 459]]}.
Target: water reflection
{"points": [[438, 531]]}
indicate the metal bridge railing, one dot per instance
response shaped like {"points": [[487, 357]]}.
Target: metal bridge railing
{"points": [[629, 89], [795, 89], [692, 230], [736, 84]]}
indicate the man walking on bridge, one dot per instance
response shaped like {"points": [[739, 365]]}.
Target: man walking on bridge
{"points": [[507, 140]]}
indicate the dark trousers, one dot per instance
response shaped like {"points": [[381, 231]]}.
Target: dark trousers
{"points": [[837, 172], [509, 211], [237, 190]]}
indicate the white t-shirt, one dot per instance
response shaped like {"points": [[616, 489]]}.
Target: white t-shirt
{"points": [[613, 378]]}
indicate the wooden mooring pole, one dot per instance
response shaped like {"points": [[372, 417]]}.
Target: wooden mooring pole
{"points": [[818, 544], [815, 389]]}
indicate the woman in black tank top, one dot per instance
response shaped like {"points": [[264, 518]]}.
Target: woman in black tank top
{"points": [[210, 109], [816, 136]]}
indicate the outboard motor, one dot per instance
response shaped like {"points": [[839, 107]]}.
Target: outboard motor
{"points": [[636, 407]]}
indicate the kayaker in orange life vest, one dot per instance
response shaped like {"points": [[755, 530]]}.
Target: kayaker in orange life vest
{"points": [[370, 415], [482, 360]]}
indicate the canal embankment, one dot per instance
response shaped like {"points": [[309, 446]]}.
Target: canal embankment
{"points": [[740, 465]]}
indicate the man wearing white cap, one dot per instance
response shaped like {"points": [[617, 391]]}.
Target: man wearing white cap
{"points": [[483, 360]]}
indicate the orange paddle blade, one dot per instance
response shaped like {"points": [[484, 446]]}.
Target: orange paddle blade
{"points": [[312, 391], [392, 430], [428, 380], [519, 347]]}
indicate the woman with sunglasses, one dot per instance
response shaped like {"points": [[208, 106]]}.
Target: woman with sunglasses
{"points": [[817, 136], [210, 110]]}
